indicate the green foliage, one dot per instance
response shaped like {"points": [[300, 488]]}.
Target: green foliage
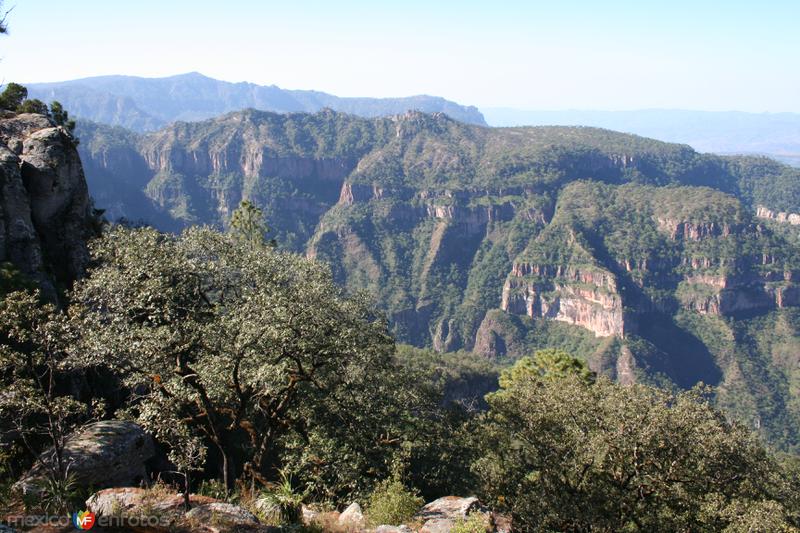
{"points": [[58, 493], [33, 106], [250, 359], [392, 503], [248, 225], [61, 117], [13, 96], [11, 280], [564, 454], [548, 365], [213, 488], [34, 409], [282, 504], [474, 523]]}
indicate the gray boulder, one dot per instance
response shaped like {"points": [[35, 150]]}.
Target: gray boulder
{"points": [[352, 516], [103, 454], [219, 513], [439, 516], [393, 529]]}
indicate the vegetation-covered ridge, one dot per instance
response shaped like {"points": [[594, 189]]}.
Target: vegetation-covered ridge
{"points": [[622, 249]]}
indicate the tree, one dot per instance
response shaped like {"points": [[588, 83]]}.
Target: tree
{"points": [[569, 455], [61, 117], [548, 364], [242, 346], [248, 225], [34, 106], [33, 403], [3, 17], [13, 96]]}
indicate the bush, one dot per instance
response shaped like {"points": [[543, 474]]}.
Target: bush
{"points": [[283, 504], [474, 523], [58, 493], [392, 503], [213, 488], [13, 96], [570, 454]]}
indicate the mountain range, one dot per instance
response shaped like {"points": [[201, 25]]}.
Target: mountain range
{"points": [[145, 104], [776, 135], [654, 262]]}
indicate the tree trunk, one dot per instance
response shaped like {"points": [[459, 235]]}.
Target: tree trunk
{"points": [[186, 490]]}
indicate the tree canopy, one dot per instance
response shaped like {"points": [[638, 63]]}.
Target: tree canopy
{"points": [[570, 454]]}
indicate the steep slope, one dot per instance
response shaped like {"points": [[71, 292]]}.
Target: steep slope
{"points": [[46, 215], [653, 261], [145, 104]]}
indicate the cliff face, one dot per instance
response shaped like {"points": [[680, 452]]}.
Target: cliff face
{"points": [[45, 210], [585, 298]]}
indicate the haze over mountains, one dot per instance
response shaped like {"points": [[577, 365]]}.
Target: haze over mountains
{"points": [[145, 104], [776, 135]]}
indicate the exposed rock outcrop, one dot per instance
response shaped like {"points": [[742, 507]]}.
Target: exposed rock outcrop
{"points": [[111, 453], [159, 510], [778, 216], [439, 516], [45, 211], [222, 514], [587, 298]]}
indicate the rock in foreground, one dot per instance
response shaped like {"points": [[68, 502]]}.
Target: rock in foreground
{"points": [[103, 454]]}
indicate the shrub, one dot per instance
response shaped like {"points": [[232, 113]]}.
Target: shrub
{"points": [[571, 454], [392, 503], [213, 488], [283, 505], [57, 493], [474, 523]]}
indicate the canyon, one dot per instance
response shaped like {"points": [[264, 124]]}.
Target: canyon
{"points": [[625, 250]]}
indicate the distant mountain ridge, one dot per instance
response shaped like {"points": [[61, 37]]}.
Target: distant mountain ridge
{"points": [[776, 135], [146, 104]]}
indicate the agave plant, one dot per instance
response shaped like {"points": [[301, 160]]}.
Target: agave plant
{"points": [[58, 492], [282, 503]]}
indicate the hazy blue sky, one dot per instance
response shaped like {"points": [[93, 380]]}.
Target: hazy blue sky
{"points": [[553, 54]]}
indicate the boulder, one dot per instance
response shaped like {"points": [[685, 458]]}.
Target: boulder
{"points": [[352, 516], [439, 516], [132, 500], [393, 529], [110, 502], [222, 514], [309, 515], [111, 453]]}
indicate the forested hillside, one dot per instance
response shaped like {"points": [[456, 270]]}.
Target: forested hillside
{"points": [[648, 259]]}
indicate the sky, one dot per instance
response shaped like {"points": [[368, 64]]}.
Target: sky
{"points": [[555, 54]]}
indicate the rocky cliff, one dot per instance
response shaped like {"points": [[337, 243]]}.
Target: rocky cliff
{"points": [[45, 211]]}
